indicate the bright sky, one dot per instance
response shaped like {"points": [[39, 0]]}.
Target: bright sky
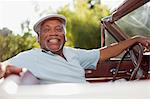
{"points": [[14, 12]]}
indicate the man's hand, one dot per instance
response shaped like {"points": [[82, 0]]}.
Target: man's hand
{"points": [[117, 48], [145, 42], [8, 70]]}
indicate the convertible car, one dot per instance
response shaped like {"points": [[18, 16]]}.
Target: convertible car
{"points": [[125, 76], [130, 18]]}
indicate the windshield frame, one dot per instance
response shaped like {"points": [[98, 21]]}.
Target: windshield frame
{"points": [[109, 23]]}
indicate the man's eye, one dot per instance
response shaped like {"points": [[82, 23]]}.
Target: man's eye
{"points": [[59, 29], [45, 30]]}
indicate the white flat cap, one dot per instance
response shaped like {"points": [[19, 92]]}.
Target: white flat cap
{"points": [[37, 25]]}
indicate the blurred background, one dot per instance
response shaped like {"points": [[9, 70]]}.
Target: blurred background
{"points": [[18, 16], [83, 22]]}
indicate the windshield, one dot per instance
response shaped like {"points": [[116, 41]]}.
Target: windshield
{"points": [[137, 22]]}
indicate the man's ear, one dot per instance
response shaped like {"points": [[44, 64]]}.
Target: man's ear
{"points": [[38, 39]]}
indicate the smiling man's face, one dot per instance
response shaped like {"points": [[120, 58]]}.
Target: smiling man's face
{"points": [[52, 35]]}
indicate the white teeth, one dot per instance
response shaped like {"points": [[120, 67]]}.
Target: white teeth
{"points": [[53, 40]]}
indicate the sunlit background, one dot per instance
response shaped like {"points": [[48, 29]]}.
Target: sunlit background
{"points": [[83, 22], [17, 12]]}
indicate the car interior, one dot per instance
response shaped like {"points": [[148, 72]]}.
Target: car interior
{"points": [[134, 63]]}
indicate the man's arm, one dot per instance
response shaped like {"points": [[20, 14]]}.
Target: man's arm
{"points": [[117, 48], [27, 77]]}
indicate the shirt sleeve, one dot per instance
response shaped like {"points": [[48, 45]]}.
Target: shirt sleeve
{"points": [[88, 58], [19, 60]]}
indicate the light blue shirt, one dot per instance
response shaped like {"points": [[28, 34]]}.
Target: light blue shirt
{"points": [[52, 68]]}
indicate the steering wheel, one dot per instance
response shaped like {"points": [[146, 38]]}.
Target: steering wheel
{"points": [[136, 54]]}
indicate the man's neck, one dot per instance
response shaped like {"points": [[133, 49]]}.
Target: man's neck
{"points": [[60, 53]]}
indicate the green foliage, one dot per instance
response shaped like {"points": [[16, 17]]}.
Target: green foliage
{"points": [[83, 24], [83, 30], [13, 44]]}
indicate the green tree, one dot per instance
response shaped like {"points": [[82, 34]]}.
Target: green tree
{"points": [[83, 24], [83, 30], [11, 44]]}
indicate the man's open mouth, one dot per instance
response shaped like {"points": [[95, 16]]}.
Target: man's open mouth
{"points": [[53, 40]]}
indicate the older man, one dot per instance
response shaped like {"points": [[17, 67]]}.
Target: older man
{"points": [[56, 63]]}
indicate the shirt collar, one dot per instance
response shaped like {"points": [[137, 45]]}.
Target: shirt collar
{"points": [[49, 52]]}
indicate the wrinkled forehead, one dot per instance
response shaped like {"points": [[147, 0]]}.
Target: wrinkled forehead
{"points": [[57, 20]]}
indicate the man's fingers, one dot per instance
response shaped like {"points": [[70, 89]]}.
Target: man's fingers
{"points": [[13, 69], [10, 69], [147, 50], [2, 73]]}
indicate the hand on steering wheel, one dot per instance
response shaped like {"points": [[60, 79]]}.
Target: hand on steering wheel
{"points": [[136, 55]]}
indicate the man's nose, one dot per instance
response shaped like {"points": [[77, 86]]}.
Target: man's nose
{"points": [[53, 32]]}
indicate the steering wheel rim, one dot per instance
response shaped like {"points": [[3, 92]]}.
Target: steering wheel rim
{"points": [[136, 61]]}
